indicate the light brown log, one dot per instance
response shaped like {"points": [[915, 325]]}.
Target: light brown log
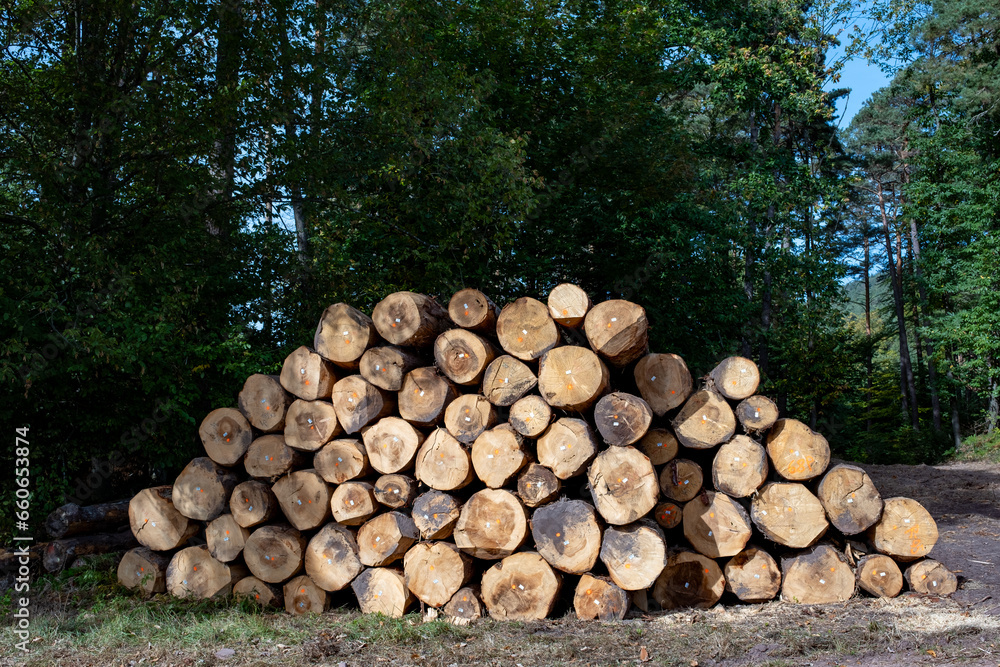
{"points": [[929, 577], [341, 461], [906, 531], [634, 554], [463, 356], [194, 573], [797, 452], [225, 538], [252, 503], [618, 331], [530, 416], [526, 330], [442, 463], [716, 525], [260, 592], [850, 499], [468, 416], [668, 515], [382, 590], [787, 513], [706, 420], [521, 587], [753, 575], [392, 444], [408, 318], [435, 514], [343, 335], [225, 434], [425, 396], [331, 558], [739, 467], [622, 419], [471, 309], [269, 457], [757, 413], [386, 538], [567, 447], [263, 401], [145, 570], [395, 491], [681, 480], [498, 455], [598, 598], [307, 375], [659, 444], [819, 575], [568, 305], [304, 497], [506, 380], [879, 575], [537, 485], [435, 571], [567, 534], [386, 366], [689, 580], [310, 424], [622, 484], [303, 596], [359, 403], [464, 605], [275, 553], [201, 491], [72, 519], [353, 503], [61, 554], [492, 525], [664, 381], [735, 378], [572, 378]]}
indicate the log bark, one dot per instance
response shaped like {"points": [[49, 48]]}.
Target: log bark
{"points": [[530, 416], [929, 577], [622, 484], [59, 554], [263, 401], [659, 444], [435, 571], [275, 553], [906, 531], [303, 596], [343, 335], [225, 538], [463, 356], [521, 587], [307, 375], [797, 452], [331, 558], [382, 590], [201, 491], [492, 525], [664, 381], [850, 499], [537, 485], [567, 534], [145, 570], [787, 513], [386, 366], [753, 575], [498, 455], [668, 515], [395, 491], [757, 413], [526, 330], [706, 420], [465, 605], [252, 503], [341, 461], [194, 573], [304, 497], [506, 380], [72, 519], [386, 538], [359, 403], [435, 514], [572, 378], [471, 309], [689, 580], [442, 463], [408, 318], [622, 419], [269, 458], [468, 416], [392, 445], [819, 575], [735, 378], [353, 503], [568, 305], [681, 480], [261, 592], [635, 555], [598, 598], [310, 424], [225, 433], [716, 525], [617, 330], [567, 448], [739, 467], [879, 575], [425, 396]]}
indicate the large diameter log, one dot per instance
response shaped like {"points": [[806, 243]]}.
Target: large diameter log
{"points": [[668, 515], [537, 485], [757, 413], [310, 424], [341, 461], [386, 366], [689, 580], [392, 444], [681, 480], [382, 590], [304, 498], [442, 463], [735, 378], [155, 521], [274, 553], [622, 484], [716, 526], [259, 592], [72, 519], [303, 596], [263, 401], [787, 513], [599, 598], [59, 554], [664, 381], [567, 447], [568, 305], [395, 491], [929, 577], [359, 403], [343, 334], [850, 499], [252, 503], [225, 538], [435, 571], [463, 356], [879, 575], [567, 534], [269, 457], [201, 491], [408, 318], [797, 452], [530, 416], [634, 555], [498, 455], [353, 503], [471, 309], [492, 525], [906, 530], [386, 538], [753, 575], [464, 605], [506, 380], [819, 575], [331, 558], [145, 570], [622, 419], [526, 330], [468, 416], [435, 514], [706, 420], [739, 467], [521, 587], [618, 331], [225, 433], [572, 378], [424, 397], [307, 375], [194, 573]]}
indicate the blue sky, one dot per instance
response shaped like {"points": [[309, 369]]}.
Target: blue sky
{"points": [[863, 79]]}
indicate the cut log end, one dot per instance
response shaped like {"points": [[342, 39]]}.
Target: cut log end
{"points": [[274, 553], [622, 484], [471, 309], [263, 401], [194, 573], [382, 590], [757, 413], [879, 575], [343, 335], [600, 599], [622, 419], [852, 502], [307, 375], [537, 485], [145, 570], [929, 577], [303, 596], [716, 525], [739, 467], [492, 525], [506, 380], [820, 575], [530, 416], [226, 434], [681, 480], [304, 497], [618, 331], [386, 538], [572, 378], [635, 555], [567, 534], [568, 305], [797, 452], [435, 571], [468, 416], [736, 378], [659, 444], [310, 424], [201, 491], [386, 366], [526, 330], [521, 587], [689, 580], [753, 575], [706, 420], [435, 514], [664, 381], [411, 319], [789, 514], [463, 356], [331, 557], [906, 530]]}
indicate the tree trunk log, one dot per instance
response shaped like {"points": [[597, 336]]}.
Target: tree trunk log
{"points": [[275, 553], [681, 480], [689, 580], [386, 538], [622, 484], [521, 587], [526, 330], [194, 573], [59, 554], [530, 416], [850, 499], [617, 330], [716, 525], [537, 485], [303, 596], [797, 452], [622, 419], [332, 559], [736, 378], [392, 445], [664, 381], [659, 444], [567, 447], [307, 375], [353, 503], [706, 420], [753, 575], [498, 455], [929, 577], [263, 401], [879, 575], [572, 378], [464, 605], [471, 309], [359, 403], [468, 416], [443, 463], [341, 461], [567, 534], [252, 503], [304, 497], [395, 491], [225, 433], [435, 571], [310, 424], [906, 530], [386, 366], [506, 380], [382, 590], [225, 538], [435, 514], [787, 513], [463, 356], [142, 569], [757, 413], [261, 592], [492, 525], [599, 598], [72, 519], [739, 467], [668, 515], [425, 396], [568, 305], [634, 555], [408, 318], [343, 335], [201, 491], [269, 458], [820, 575]]}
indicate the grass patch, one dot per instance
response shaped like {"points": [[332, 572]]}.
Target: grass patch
{"points": [[980, 447]]}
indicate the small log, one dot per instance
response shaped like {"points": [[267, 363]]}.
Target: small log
{"points": [[530, 416], [735, 378], [386, 538], [568, 305], [359, 403], [634, 555], [819, 575], [599, 598], [739, 467], [353, 503], [275, 553], [929, 577], [225, 538], [59, 554], [618, 331], [498, 455], [471, 309], [435, 571], [263, 401], [303, 596], [521, 587], [753, 575], [392, 444], [463, 356], [797, 452], [622, 484], [261, 592], [850, 499], [537, 485], [787, 513], [382, 590], [332, 559], [622, 419], [304, 497], [689, 580], [435, 514], [506, 380], [879, 575], [716, 526], [664, 381], [468, 416], [526, 330], [464, 605], [269, 457], [668, 515], [906, 530], [395, 491], [442, 463], [706, 420], [310, 424], [225, 433], [567, 534], [252, 503], [194, 573], [757, 413], [343, 335], [341, 461], [142, 569], [72, 519], [492, 525], [201, 491], [408, 318], [425, 396], [567, 447], [307, 375], [386, 366], [572, 378], [659, 444], [681, 480]]}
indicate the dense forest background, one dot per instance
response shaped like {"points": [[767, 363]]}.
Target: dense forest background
{"points": [[187, 184]]}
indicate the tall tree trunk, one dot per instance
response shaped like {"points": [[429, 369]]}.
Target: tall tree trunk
{"points": [[956, 430], [993, 411], [291, 137], [228, 62], [923, 323], [868, 333]]}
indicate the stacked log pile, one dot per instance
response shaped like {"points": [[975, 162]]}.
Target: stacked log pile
{"points": [[513, 462]]}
